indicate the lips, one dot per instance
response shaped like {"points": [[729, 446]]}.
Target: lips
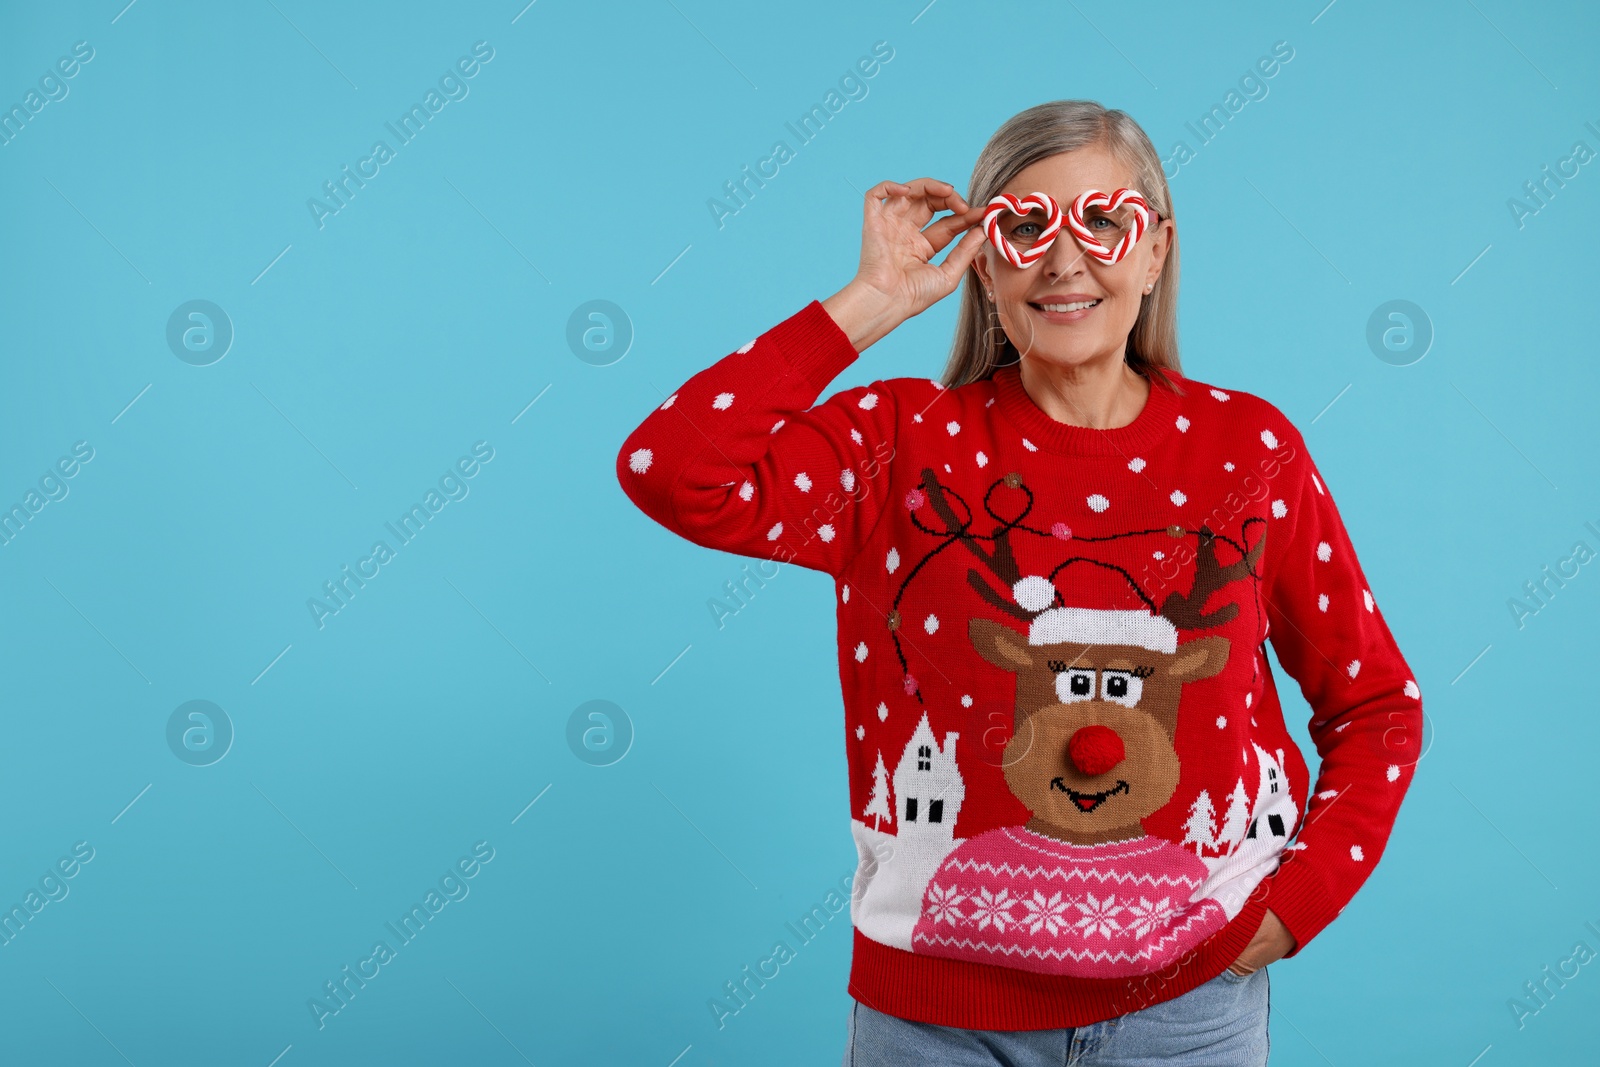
{"points": [[1087, 802]]}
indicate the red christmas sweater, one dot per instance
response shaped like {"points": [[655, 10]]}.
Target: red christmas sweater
{"points": [[1072, 790]]}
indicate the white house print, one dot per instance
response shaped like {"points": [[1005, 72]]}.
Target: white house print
{"points": [[895, 869], [928, 788]]}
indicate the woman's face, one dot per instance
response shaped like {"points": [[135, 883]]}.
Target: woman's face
{"points": [[1031, 301]]}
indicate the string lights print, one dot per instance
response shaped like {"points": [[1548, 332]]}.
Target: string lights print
{"points": [[1105, 225]]}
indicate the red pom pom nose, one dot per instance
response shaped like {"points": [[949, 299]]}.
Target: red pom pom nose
{"points": [[1095, 749]]}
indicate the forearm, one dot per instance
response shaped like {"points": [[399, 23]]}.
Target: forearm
{"points": [[865, 314]]}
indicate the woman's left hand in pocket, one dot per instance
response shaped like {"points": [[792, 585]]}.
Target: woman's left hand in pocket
{"points": [[1271, 942]]}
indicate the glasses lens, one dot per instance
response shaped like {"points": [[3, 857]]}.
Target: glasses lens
{"points": [[1109, 227], [1024, 231]]}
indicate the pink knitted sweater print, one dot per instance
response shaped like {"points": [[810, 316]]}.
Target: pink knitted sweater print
{"points": [[1072, 790]]}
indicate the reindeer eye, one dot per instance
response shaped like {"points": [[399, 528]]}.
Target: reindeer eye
{"points": [[1121, 687], [1074, 685]]}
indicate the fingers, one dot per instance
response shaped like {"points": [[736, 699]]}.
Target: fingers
{"points": [[940, 233], [961, 256], [919, 200]]}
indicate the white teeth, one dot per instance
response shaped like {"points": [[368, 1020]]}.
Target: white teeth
{"points": [[1075, 306]]}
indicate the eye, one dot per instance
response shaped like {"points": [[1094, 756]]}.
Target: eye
{"points": [[1121, 687], [1074, 685]]}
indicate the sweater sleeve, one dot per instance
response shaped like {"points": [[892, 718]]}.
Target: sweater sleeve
{"points": [[739, 459], [1366, 709]]}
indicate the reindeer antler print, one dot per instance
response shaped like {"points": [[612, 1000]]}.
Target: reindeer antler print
{"points": [[1187, 610], [994, 551], [1001, 561]]}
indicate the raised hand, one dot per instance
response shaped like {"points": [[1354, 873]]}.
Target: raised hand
{"points": [[897, 277]]}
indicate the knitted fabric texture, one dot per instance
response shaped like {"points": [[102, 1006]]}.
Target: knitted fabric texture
{"points": [[1072, 790]]}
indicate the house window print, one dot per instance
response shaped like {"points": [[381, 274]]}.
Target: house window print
{"points": [[911, 809], [924, 758], [936, 811]]}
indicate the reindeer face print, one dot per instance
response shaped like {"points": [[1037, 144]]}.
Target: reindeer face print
{"points": [[1097, 689], [1092, 750]]}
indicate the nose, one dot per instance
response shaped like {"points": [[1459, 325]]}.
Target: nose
{"points": [[1095, 749]]}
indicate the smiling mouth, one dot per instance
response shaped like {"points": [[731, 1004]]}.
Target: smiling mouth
{"points": [[1060, 307], [1087, 802]]}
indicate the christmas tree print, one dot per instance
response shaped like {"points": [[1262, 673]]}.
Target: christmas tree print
{"points": [[878, 807], [1237, 821], [1201, 828]]}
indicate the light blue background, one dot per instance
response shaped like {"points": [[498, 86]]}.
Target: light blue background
{"points": [[432, 310]]}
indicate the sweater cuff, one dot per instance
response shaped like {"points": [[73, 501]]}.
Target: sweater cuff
{"points": [[1297, 895], [813, 345]]}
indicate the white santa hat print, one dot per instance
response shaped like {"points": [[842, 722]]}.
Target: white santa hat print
{"points": [[1090, 626]]}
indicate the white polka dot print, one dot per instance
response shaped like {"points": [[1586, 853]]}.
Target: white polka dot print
{"points": [[667, 403], [931, 624], [892, 560], [1324, 551], [639, 460], [723, 401], [952, 427], [826, 531], [1183, 424], [1392, 772], [746, 491], [861, 731], [1136, 464], [868, 401], [1366, 598], [966, 700], [1029, 445], [1279, 509], [1222, 722], [1098, 502], [847, 479], [1220, 395], [1269, 438], [1178, 498], [983, 460], [777, 426], [802, 482], [1356, 853], [883, 711], [1322, 602], [772, 534], [1411, 690], [1354, 668], [855, 435], [747, 346], [1227, 466], [861, 652]]}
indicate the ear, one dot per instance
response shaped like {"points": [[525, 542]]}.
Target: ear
{"points": [[1000, 645], [980, 263], [1200, 658]]}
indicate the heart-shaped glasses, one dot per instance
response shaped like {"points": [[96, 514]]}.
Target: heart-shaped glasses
{"points": [[1105, 225]]}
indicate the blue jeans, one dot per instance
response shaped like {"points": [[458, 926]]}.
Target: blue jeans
{"points": [[1220, 1023]]}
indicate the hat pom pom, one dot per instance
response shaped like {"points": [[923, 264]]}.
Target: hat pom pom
{"points": [[1034, 592]]}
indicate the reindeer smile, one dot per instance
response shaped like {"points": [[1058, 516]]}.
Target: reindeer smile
{"points": [[1087, 802]]}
